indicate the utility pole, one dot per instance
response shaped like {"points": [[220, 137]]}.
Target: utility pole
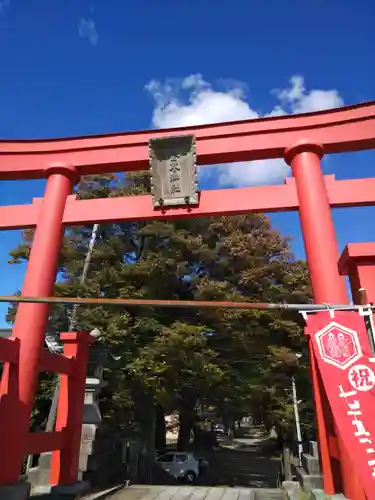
{"points": [[296, 417], [72, 325]]}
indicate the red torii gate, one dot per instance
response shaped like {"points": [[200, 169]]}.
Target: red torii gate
{"points": [[301, 140]]}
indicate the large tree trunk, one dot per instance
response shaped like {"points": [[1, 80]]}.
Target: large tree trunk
{"points": [[187, 420], [160, 429]]}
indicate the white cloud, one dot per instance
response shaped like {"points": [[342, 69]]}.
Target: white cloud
{"points": [[300, 101], [87, 29], [193, 101]]}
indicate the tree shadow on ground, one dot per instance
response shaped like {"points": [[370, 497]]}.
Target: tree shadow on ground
{"points": [[253, 462]]}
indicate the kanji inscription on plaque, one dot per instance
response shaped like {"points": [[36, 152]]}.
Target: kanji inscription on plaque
{"points": [[173, 171]]}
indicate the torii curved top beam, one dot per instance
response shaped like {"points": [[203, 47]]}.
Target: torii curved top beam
{"points": [[350, 128]]}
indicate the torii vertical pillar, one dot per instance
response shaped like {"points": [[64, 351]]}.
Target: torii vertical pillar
{"points": [[31, 319], [322, 255], [358, 262]]}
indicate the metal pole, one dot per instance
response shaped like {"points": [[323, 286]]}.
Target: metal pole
{"points": [[296, 416], [301, 308], [371, 329], [72, 325], [368, 318]]}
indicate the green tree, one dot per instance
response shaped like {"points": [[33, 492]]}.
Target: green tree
{"points": [[169, 359]]}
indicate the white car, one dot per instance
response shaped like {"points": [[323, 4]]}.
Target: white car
{"points": [[181, 465]]}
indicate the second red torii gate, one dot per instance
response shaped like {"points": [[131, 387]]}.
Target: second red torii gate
{"points": [[301, 140]]}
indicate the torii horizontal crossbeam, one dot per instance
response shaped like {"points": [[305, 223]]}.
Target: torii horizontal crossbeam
{"points": [[349, 128], [280, 198]]}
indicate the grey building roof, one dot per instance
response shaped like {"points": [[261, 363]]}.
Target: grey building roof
{"points": [[5, 333]]}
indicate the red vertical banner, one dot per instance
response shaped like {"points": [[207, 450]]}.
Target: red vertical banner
{"points": [[347, 367]]}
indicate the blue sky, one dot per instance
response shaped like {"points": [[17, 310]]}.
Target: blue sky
{"points": [[73, 67]]}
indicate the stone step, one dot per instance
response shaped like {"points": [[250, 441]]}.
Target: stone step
{"points": [[311, 464], [38, 477], [308, 481], [269, 494], [320, 495], [314, 449], [45, 460]]}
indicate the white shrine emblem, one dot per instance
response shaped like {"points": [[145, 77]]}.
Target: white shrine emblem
{"points": [[338, 345]]}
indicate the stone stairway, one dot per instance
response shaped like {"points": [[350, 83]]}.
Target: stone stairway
{"points": [[140, 492], [309, 473]]}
